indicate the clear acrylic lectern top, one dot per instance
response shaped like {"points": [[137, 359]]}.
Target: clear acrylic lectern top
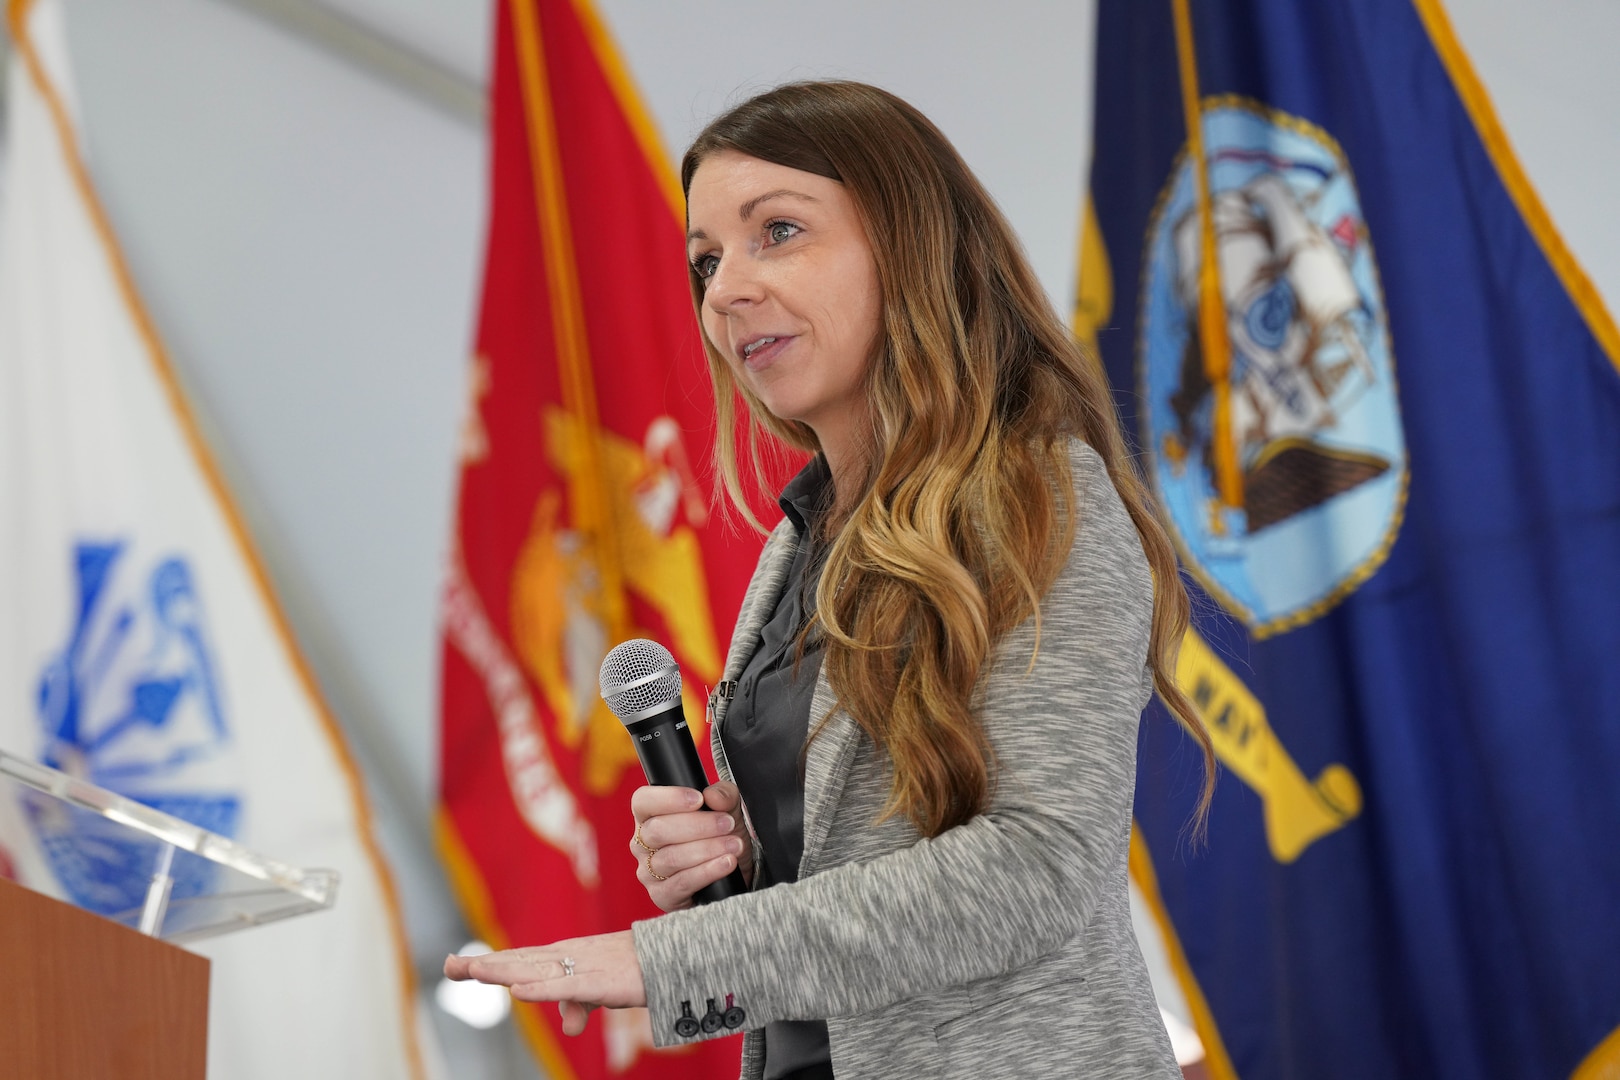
{"points": [[150, 870]]}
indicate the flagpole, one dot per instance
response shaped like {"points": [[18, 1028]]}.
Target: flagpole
{"points": [[1212, 333], [594, 512]]}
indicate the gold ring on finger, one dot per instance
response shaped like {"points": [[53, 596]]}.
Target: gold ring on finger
{"points": [[650, 870], [648, 848]]}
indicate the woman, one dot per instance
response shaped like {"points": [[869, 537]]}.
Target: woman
{"points": [[932, 696]]}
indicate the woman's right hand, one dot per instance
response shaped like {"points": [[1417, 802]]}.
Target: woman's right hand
{"points": [[684, 841]]}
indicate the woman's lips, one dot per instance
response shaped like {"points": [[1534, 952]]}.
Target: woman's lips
{"points": [[765, 355]]}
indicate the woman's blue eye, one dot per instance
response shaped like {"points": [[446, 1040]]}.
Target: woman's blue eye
{"points": [[704, 266], [779, 231]]}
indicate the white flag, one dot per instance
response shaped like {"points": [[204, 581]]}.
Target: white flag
{"points": [[140, 647]]}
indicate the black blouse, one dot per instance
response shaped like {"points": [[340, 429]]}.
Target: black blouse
{"points": [[764, 734]]}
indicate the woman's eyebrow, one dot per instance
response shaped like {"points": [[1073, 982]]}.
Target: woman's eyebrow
{"points": [[746, 210]]}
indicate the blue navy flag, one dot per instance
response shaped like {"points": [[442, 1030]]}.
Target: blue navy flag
{"points": [[1380, 404]]}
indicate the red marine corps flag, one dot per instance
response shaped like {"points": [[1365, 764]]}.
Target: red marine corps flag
{"points": [[583, 519]]}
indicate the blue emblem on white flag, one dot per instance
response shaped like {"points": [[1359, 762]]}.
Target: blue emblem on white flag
{"points": [[132, 703]]}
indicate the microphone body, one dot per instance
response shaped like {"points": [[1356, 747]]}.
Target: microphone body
{"points": [[668, 755], [641, 684]]}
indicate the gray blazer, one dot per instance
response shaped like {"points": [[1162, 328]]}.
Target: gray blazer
{"points": [[1002, 947]]}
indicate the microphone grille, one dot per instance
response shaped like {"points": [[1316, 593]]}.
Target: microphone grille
{"points": [[637, 676]]}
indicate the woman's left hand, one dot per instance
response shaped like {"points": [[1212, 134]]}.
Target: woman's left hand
{"points": [[606, 973]]}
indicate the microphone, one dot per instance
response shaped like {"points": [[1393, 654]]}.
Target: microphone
{"points": [[641, 683]]}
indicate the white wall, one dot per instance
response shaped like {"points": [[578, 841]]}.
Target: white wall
{"points": [[309, 239], [1551, 72]]}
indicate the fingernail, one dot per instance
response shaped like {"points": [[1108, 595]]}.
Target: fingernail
{"points": [[694, 798], [734, 845], [724, 823]]}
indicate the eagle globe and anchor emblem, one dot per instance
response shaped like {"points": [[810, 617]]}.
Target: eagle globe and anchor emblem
{"points": [[1310, 389]]}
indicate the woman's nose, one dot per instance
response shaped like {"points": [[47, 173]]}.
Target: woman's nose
{"points": [[733, 283]]}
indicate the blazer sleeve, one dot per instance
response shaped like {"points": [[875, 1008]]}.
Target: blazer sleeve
{"points": [[987, 897]]}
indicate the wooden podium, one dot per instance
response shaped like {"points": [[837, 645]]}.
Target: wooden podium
{"points": [[84, 997], [112, 997]]}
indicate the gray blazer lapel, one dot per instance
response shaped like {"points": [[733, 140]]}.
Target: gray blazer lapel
{"points": [[775, 560]]}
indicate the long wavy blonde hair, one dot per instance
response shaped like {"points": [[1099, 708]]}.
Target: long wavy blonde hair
{"points": [[963, 517]]}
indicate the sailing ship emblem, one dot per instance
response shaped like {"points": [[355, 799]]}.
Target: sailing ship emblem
{"points": [[1307, 399]]}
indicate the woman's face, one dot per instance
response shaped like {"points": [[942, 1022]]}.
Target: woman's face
{"points": [[791, 295]]}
